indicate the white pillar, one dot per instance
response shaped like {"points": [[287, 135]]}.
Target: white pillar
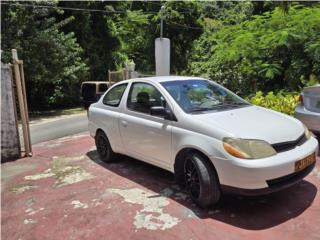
{"points": [[162, 56]]}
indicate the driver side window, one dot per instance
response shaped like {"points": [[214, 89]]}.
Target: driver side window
{"points": [[143, 96]]}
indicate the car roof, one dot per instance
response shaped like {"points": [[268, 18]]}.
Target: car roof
{"points": [[95, 82], [162, 79]]}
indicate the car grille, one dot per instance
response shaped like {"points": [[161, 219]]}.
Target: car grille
{"points": [[286, 146]]}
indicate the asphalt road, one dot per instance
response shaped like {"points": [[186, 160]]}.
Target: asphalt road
{"points": [[48, 129]]}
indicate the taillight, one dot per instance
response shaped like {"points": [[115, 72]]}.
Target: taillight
{"points": [[301, 99]]}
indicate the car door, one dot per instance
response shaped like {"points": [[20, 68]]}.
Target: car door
{"points": [[105, 115], [145, 136]]}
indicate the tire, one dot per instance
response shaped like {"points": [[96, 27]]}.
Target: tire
{"points": [[201, 180], [103, 147]]}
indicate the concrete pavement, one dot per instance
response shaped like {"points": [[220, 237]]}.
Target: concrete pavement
{"points": [[65, 192]]}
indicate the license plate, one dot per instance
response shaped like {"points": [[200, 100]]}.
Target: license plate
{"points": [[303, 163]]}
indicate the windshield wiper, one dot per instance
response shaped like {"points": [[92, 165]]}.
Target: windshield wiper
{"points": [[218, 106], [237, 103]]}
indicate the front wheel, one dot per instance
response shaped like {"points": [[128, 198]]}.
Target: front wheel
{"points": [[103, 147], [201, 180]]}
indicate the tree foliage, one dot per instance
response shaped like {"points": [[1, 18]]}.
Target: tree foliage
{"points": [[93, 31], [245, 45], [274, 50], [140, 26], [52, 59]]}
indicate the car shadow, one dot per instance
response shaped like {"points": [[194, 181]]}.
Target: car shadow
{"points": [[252, 213]]}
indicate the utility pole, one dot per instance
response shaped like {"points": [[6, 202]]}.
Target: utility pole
{"points": [[161, 22]]}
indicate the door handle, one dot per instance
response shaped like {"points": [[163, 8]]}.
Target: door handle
{"points": [[124, 123]]}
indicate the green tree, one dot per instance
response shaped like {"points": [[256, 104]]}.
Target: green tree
{"points": [[93, 31], [140, 26], [53, 60], [275, 50], [135, 32]]}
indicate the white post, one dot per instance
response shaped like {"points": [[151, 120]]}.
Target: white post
{"points": [[133, 73], [162, 56], [162, 51], [14, 54], [126, 71]]}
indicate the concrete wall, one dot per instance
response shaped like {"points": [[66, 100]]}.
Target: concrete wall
{"points": [[10, 145]]}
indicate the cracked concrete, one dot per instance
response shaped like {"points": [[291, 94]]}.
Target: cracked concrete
{"points": [[151, 216], [20, 188], [11, 169], [65, 192], [62, 172]]}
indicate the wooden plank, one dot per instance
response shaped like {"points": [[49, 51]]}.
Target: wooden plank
{"points": [[25, 104], [21, 102], [14, 99]]}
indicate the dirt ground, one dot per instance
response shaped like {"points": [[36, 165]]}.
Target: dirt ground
{"points": [[65, 192]]}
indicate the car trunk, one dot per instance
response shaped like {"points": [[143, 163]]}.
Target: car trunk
{"points": [[311, 98]]}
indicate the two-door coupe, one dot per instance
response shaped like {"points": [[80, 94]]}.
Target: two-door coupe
{"points": [[211, 139]]}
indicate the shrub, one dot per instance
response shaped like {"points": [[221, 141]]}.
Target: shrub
{"points": [[284, 102]]}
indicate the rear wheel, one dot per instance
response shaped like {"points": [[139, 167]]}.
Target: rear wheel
{"points": [[103, 147], [201, 180]]}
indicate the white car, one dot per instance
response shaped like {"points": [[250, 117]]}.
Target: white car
{"points": [[211, 139], [308, 110]]}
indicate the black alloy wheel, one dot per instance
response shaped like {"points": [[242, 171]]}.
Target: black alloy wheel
{"points": [[191, 178], [103, 147], [201, 180]]}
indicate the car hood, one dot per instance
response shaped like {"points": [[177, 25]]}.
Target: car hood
{"points": [[254, 122]]}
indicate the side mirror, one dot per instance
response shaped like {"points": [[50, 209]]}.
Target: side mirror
{"points": [[160, 111]]}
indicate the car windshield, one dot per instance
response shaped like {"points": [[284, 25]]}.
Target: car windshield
{"points": [[202, 95]]}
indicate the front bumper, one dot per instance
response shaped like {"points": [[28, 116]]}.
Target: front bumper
{"points": [[274, 185], [257, 175]]}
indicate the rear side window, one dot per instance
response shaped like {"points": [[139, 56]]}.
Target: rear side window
{"points": [[113, 97]]}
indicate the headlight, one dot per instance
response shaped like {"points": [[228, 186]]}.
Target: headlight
{"points": [[248, 148], [307, 132]]}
